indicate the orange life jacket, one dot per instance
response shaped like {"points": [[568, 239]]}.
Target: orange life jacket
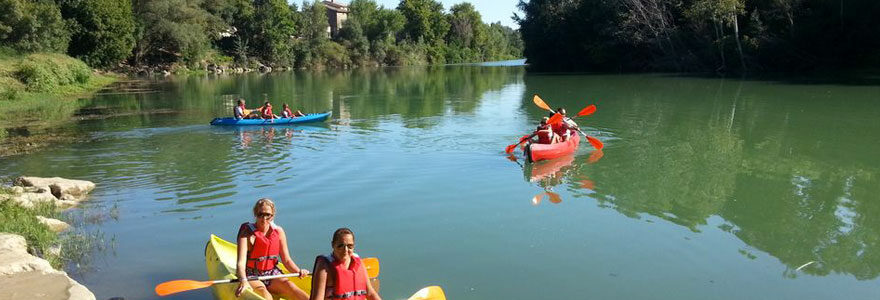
{"points": [[264, 254], [351, 282]]}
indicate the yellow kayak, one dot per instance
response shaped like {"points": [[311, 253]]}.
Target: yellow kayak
{"points": [[220, 260]]}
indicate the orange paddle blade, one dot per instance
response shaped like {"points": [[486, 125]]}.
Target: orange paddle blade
{"points": [[177, 286], [595, 142], [510, 148], [554, 197], [588, 184], [587, 111], [372, 265], [540, 103], [555, 119]]}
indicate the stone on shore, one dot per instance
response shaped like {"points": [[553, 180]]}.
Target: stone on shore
{"points": [[29, 191], [24, 276], [54, 224]]}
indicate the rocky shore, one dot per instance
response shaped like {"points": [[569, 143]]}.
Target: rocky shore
{"points": [[23, 275]]}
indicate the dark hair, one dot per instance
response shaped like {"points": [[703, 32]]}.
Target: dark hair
{"points": [[560, 110], [339, 233]]}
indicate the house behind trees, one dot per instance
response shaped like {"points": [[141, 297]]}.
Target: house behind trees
{"points": [[336, 14]]}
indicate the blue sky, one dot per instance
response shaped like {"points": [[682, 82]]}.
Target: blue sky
{"points": [[491, 10]]}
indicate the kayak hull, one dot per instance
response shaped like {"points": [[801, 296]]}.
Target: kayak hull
{"points": [[220, 261], [318, 117], [538, 152]]}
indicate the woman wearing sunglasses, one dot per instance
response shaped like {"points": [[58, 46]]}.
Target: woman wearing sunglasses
{"points": [[341, 275], [261, 245]]}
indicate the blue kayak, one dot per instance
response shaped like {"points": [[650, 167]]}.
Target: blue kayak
{"points": [[319, 117]]}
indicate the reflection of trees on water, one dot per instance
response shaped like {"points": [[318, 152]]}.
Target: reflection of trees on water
{"points": [[791, 176]]}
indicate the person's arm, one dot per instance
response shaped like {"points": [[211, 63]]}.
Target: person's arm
{"points": [[319, 280], [285, 255], [372, 294], [241, 261]]}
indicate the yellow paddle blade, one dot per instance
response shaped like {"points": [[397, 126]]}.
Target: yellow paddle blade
{"points": [[372, 265], [540, 103], [177, 286], [429, 293]]}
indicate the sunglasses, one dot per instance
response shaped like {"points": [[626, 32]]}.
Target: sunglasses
{"points": [[349, 246], [265, 215]]}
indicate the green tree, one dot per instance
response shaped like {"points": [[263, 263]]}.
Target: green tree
{"points": [[425, 20], [32, 26], [273, 28], [173, 31], [102, 30]]}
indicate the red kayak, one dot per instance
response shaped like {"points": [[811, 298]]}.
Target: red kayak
{"points": [[538, 152]]}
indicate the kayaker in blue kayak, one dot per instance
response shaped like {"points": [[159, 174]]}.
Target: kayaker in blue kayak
{"points": [[341, 275], [266, 111], [286, 113], [261, 246], [240, 112]]}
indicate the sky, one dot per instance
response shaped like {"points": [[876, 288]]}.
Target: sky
{"points": [[491, 10]]}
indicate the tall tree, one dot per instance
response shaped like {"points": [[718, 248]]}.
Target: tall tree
{"points": [[273, 31], [102, 30], [32, 26], [424, 20], [173, 31]]}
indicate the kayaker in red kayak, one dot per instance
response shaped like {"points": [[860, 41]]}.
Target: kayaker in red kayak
{"points": [[544, 132], [286, 113], [341, 275], [565, 128], [261, 246]]}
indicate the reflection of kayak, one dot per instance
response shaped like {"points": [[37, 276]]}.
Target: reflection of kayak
{"points": [[319, 117], [540, 170], [538, 152], [220, 257]]}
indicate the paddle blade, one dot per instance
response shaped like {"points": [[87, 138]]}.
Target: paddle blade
{"points": [[429, 293], [555, 119], [540, 103], [177, 286], [595, 142], [554, 197], [510, 148], [587, 111], [372, 265]]}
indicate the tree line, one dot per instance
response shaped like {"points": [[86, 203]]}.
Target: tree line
{"points": [[194, 33], [735, 36]]}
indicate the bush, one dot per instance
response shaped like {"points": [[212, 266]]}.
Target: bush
{"points": [[23, 221], [44, 72]]}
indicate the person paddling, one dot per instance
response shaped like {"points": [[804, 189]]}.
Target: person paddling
{"points": [[544, 132], [563, 128], [239, 111], [266, 111], [261, 246], [341, 275]]}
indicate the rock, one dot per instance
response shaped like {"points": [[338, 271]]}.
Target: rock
{"points": [[65, 189], [54, 224], [24, 276], [54, 250], [17, 190], [30, 199]]}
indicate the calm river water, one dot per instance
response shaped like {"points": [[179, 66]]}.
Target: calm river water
{"points": [[706, 188]]}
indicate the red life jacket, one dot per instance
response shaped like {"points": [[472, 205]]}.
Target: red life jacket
{"points": [[288, 112], [267, 110], [264, 254], [560, 129], [545, 135], [351, 282]]}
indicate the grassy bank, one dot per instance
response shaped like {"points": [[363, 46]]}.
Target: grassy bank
{"points": [[42, 87], [23, 221]]}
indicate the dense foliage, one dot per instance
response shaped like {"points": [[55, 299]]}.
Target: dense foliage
{"points": [[252, 33], [700, 35]]}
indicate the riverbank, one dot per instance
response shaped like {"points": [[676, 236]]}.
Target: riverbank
{"points": [[38, 90], [31, 250]]}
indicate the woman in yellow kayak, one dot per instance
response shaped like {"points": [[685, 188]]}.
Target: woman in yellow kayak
{"points": [[261, 245], [341, 275]]}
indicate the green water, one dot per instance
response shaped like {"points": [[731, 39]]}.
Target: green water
{"points": [[706, 188]]}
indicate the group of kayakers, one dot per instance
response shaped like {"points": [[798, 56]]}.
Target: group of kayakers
{"points": [[262, 245], [555, 133], [262, 112]]}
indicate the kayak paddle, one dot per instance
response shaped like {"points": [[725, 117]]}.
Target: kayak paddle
{"points": [[182, 285], [429, 293], [510, 148]]}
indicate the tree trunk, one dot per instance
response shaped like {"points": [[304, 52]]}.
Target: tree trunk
{"points": [[739, 48]]}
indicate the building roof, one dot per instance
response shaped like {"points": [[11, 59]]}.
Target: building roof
{"points": [[335, 6]]}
